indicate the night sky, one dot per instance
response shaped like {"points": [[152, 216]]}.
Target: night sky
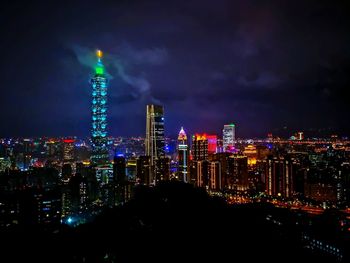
{"points": [[277, 66]]}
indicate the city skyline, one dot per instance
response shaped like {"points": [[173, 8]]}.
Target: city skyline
{"points": [[256, 65], [144, 122]]}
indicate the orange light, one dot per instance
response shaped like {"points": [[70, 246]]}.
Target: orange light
{"points": [[99, 53], [251, 161], [200, 137]]}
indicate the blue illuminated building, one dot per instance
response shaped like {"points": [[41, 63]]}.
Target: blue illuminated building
{"points": [[99, 114]]}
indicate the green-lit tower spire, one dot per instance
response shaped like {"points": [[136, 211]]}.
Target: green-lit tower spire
{"points": [[99, 113]]}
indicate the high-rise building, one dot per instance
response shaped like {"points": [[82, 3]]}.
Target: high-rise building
{"points": [[215, 175], [27, 151], [119, 169], [228, 137], [52, 147], [162, 171], [199, 173], [99, 114], [182, 156], [206, 174], [121, 183], [199, 147], [154, 142], [143, 170], [131, 168], [220, 146], [222, 158], [212, 143], [238, 172], [280, 173], [68, 150]]}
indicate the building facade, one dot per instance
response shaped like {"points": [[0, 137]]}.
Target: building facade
{"points": [[99, 84], [238, 172], [199, 147], [228, 137], [154, 142], [280, 173], [182, 156]]}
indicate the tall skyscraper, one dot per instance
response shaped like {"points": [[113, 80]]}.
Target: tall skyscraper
{"points": [[68, 150], [182, 156], [199, 147], [99, 114], [154, 142], [228, 137]]}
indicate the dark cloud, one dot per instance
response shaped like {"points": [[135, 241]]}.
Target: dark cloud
{"points": [[261, 64]]}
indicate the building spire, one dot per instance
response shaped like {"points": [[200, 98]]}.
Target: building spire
{"points": [[182, 134], [99, 68], [99, 54]]}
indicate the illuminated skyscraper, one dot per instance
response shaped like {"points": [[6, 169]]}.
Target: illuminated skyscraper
{"points": [[199, 147], [154, 142], [183, 156], [99, 114], [68, 150], [212, 143], [228, 137]]}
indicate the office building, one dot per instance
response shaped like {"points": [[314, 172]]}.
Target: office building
{"points": [[238, 172], [199, 149], [143, 170], [212, 143], [228, 137], [99, 83], [280, 175], [182, 156], [154, 142], [119, 169], [162, 171], [199, 173], [68, 150], [214, 174]]}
